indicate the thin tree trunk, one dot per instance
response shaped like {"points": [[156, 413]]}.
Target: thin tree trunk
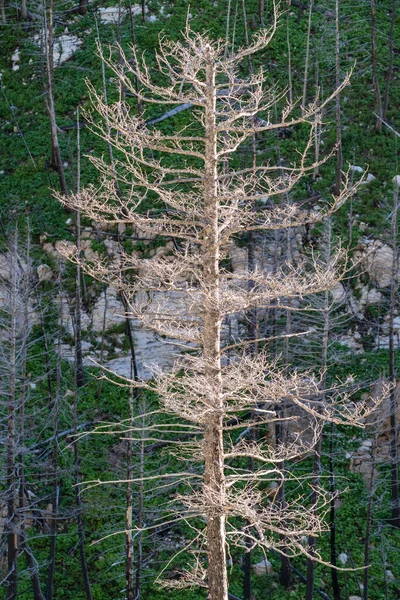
{"points": [[78, 382], [139, 559], [332, 519], [80, 374], [83, 6], [54, 466], [369, 524], [306, 64], [375, 80], [317, 452], [261, 12], [290, 88], [214, 479], [11, 523], [31, 561], [103, 330], [3, 11], [395, 517], [24, 12], [129, 561], [48, 42], [389, 72], [339, 152]]}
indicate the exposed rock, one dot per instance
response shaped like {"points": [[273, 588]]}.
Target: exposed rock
{"points": [[263, 567], [64, 47], [338, 293], [343, 558], [396, 180], [44, 273], [355, 598], [15, 58], [370, 296], [351, 342], [377, 262], [115, 312], [356, 169], [112, 14], [369, 178]]}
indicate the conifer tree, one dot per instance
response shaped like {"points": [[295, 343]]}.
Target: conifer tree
{"points": [[203, 200]]}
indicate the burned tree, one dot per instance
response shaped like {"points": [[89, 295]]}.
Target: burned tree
{"points": [[203, 200]]}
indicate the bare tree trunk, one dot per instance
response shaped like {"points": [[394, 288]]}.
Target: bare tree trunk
{"points": [[78, 382], [339, 156], [306, 64], [33, 568], [54, 466], [261, 12], [3, 11], [389, 72], [22, 351], [83, 6], [214, 479], [332, 519], [368, 524], [290, 88], [11, 522], [140, 522], [395, 517], [24, 12], [375, 80], [129, 560], [317, 458], [48, 43], [80, 374]]}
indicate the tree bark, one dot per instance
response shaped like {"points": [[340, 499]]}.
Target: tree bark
{"points": [[48, 43], [3, 11], [83, 6], [339, 156], [305, 80], [214, 479], [389, 72], [395, 516], [11, 522], [332, 520], [375, 80], [24, 11], [54, 465]]}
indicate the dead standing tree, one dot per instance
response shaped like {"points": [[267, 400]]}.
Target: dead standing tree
{"points": [[203, 201]]}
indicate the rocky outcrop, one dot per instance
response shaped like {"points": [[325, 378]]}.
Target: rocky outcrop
{"points": [[375, 260]]}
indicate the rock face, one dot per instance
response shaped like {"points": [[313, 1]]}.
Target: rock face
{"points": [[64, 47], [110, 15], [377, 262]]}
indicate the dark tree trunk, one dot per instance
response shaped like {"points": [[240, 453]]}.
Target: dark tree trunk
{"points": [[375, 80], [83, 6], [332, 520], [339, 155], [389, 72], [394, 467], [48, 84], [11, 526]]}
